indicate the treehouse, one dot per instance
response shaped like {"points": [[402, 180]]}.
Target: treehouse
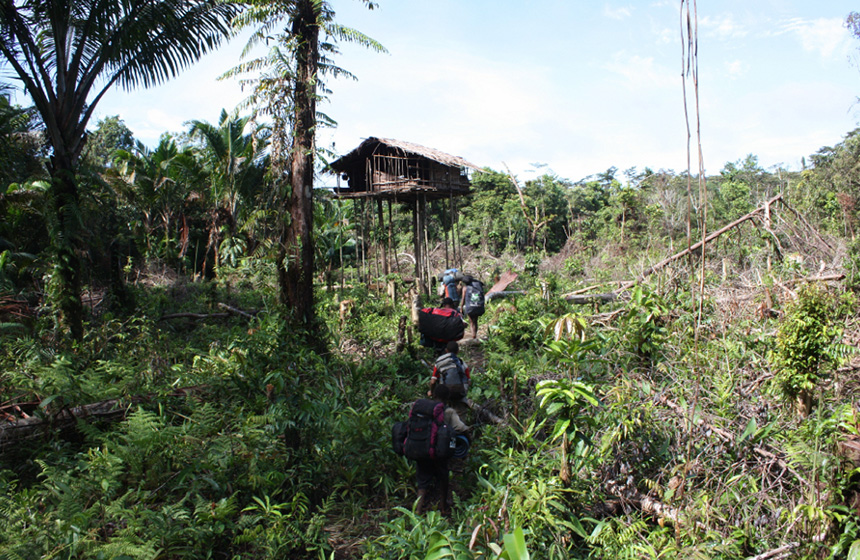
{"points": [[391, 171], [386, 169]]}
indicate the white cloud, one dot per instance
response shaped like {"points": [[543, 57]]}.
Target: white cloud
{"points": [[666, 36], [827, 37], [724, 27], [735, 68], [640, 71], [616, 13]]}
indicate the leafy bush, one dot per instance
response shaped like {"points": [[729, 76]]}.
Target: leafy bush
{"points": [[806, 344]]}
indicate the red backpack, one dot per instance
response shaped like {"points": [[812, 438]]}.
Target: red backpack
{"points": [[440, 324]]}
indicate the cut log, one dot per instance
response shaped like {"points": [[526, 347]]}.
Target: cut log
{"points": [[482, 411], [505, 280], [590, 298], [195, 316], [503, 294], [206, 316], [644, 503], [237, 311], [25, 429], [777, 553], [15, 430]]}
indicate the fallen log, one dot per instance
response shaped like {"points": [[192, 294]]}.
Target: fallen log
{"points": [[776, 553], [587, 289], [828, 278], [590, 298], [15, 430], [644, 503], [205, 316], [195, 316], [695, 246], [237, 311], [482, 411], [31, 427], [504, 294]]}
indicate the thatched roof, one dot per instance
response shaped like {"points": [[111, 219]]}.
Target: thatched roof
{"points": [[370, 145]]}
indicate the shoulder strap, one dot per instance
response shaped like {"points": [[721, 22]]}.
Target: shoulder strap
{"points": [[439, 413]]}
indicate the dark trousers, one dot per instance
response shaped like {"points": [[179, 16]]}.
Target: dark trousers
{"points": [[429, 470]]}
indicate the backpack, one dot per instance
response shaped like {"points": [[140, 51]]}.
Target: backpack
{"points": [[440, 324], [473, 298], [451, 290], [448, 286], [452, 372], [398, 436], [427, 435]]}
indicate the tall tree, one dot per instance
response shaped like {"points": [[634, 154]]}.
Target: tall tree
{"points": [[67, 54], [146, 182], [20, 142], [295, 66], [111, 134], [232, 160]]}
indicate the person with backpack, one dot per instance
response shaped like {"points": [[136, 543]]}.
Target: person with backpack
{"points": [[428, 438], [439, 325], [451, 285], [451, 371], [472, 303]]}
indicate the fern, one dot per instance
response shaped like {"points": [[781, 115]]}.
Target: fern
{"points": [[618, 540], [839, 352], [125, 549]]}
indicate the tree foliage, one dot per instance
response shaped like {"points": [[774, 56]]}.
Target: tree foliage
{"points": [[67, 55]]}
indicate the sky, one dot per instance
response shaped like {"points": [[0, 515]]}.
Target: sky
{"points": [[568, 87]]}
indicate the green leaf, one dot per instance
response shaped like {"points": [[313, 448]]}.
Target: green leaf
{"points": [[752, 427], [439, 550], [560, 427], [515, 545], [577, 527], [47, 400], [854, 551]]}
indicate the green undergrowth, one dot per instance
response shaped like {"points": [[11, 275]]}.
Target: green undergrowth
{"points": [[635, 430]]}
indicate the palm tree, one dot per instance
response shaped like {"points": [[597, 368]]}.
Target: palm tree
{"points": [[150, 182], [231, 159], [20, 142], [68, 54], [287, 86]]}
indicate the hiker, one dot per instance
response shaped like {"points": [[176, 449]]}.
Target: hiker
{"points": [[451, 371], [451, 285], [472, 302], [439, 325], [434, 472]]}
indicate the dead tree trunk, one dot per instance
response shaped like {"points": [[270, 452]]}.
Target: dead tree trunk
{"points": [[696, 246]]}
